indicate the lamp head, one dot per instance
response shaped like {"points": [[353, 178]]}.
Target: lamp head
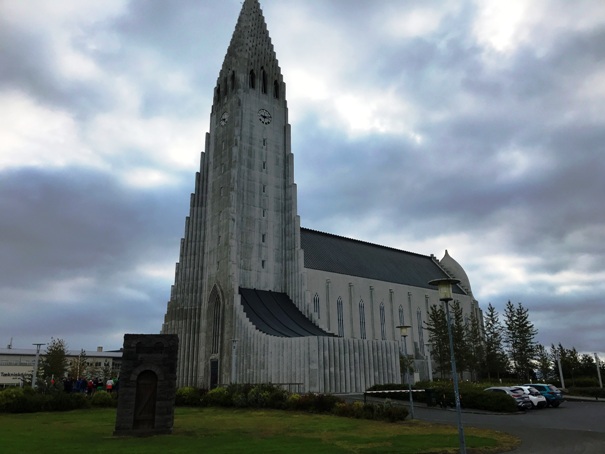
{"points": [[403, 330], [444, 286]]}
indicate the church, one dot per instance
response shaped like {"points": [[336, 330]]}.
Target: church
{"points": [[259, 299]]}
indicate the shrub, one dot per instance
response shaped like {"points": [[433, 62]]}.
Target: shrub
{"points": [[584, 382], [103, 399], [381, 412], [314, 403], [20, 400], [65, 402], [596, 392], [219, 397], [391, 413], [267, 396], [189, 396]]}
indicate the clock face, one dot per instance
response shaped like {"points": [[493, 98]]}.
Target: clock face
{"points": [[264, 116], [224, 118]]}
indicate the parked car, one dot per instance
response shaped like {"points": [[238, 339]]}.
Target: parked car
{"points": [[553, 395], [522, 399], [536, 398]]}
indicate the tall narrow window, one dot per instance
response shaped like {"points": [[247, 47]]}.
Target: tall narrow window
{"points": [[420, 331], [232, 80], [216, 322], [341, 317], [252, 80], [362, 319], [263, 76], [276, 89], [383, 332], [401, 317], [316, 305]]}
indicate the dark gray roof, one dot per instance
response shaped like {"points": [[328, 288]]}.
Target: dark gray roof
{"points": [[275, 314], [337, 254]]}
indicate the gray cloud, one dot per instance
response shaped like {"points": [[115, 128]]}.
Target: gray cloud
{"points": [[509, 164]]}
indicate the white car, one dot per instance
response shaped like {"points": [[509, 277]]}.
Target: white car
{"points": [[536, 398]]}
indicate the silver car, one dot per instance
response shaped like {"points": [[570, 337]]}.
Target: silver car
{"points": [[523, 402]]}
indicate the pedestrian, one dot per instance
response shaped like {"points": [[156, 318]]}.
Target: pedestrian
{"points": [[109, 385]]}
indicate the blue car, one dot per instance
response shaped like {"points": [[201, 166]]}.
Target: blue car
{"points": [[553, 395]]}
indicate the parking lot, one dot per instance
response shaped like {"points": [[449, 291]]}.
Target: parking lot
{"points": [[574, 427]]}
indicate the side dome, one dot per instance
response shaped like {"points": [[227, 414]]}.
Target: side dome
{"points": [[455, 270]]}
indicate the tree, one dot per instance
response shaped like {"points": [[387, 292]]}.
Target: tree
{"points": [[544, 362], [476, 347], [459, 329], [438, 337], [519, 337], [54, 361], [77, 367], [496, 361]]}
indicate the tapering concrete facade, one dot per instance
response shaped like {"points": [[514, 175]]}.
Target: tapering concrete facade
{"points": [[257, 299]]}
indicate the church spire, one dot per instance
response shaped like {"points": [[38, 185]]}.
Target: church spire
{"points": [[250, 61], [250, 40]]}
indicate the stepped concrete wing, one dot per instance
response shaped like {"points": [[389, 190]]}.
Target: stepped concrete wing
{"points": [[275, 314], [336, 254]]}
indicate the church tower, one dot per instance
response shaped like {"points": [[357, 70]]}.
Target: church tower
{"points": [[243, 230]]}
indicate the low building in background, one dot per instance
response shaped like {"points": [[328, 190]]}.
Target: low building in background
{"points": [[17, 364]]}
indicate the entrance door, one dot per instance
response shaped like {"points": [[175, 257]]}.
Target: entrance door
{"points": [[213, 373], [145, 401]]}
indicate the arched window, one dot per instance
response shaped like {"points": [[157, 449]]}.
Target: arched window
{"points": [[252, 80], [316, 305], [383, 332], [276, 89], [341, 318], [362, 319], [263, 81], [232, 80], [401, 317], [217, 93]]}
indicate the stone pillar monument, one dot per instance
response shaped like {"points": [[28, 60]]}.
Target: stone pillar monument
{"points": [[147, 385]]}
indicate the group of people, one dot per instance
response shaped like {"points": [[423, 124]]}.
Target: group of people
{"points": [[90, 386]]}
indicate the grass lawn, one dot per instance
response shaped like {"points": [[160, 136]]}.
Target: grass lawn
{"points": [[214, 430]]}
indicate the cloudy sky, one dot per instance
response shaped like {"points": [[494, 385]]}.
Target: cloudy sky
{"points": [[469, 125]]}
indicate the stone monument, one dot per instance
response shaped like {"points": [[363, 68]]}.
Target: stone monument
{"points": [[147, 385]]}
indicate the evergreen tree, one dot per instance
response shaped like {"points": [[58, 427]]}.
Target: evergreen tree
{"points": [[519, 337], [544, 362], [588, 367], [54, 361], [496, 361], [476, 347], [438, 337], [459, 329]]}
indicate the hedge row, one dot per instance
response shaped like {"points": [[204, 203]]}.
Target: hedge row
{"points": [[28, 400], [471, 396], [596, 392], [270, 396]]}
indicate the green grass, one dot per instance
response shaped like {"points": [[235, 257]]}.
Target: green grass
{"points": [[213, 430]]}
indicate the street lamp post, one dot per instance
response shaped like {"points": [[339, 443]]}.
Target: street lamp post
{"points": [[444, 286], [403, 330], [35, 374], [558, 358], [596, 357]]}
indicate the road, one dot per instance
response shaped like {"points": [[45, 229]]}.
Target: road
{"points": [[573, 428]]}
